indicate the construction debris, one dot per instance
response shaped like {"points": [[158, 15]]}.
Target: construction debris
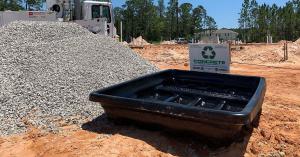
{"points": [[47, 70]]}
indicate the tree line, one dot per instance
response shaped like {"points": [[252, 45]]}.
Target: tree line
{"points": [[256, 22], [156, 22], [153, 21], [15, 5]]}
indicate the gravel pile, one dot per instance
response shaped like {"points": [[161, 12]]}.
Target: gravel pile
{"points": [[48, 69]]}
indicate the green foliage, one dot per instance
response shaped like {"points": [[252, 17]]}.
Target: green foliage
{"points": [[13, 5], [33, 4], [1, 5], [259, 21], [210, 23], [185, 24], [172, 19], [118, 12], [199, 19], [161, 8], [156, 23]]}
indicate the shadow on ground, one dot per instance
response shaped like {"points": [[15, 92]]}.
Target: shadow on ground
{"points": [[177, 144]]}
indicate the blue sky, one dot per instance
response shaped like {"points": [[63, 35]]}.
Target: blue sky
{"points": [[225, 12]]}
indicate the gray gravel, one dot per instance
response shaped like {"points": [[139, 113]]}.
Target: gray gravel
{"points": [[48, 69]]}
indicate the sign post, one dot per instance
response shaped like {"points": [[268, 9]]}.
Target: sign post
{"points": [[210, 57]]}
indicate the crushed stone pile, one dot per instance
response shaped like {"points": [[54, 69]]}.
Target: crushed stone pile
{"points": [[139, 41], [48, 69]]}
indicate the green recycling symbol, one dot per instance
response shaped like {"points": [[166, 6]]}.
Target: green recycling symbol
{"points": [[208, 52]]}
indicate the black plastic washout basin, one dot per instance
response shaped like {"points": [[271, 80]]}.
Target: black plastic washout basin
{"points": [[213, 105]]}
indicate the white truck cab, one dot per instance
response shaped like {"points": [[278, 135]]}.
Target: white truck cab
{"points": [[96, 16], [98, 12]]}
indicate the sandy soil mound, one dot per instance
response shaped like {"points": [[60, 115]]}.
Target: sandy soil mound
{"points": [[139, 41], [252, 54], [283, 42], [168, 43], [258, 54], [267, 54], [297, 41]]}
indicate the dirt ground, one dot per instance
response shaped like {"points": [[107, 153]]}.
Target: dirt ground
{"points": [[262, 54], [277, 135]]}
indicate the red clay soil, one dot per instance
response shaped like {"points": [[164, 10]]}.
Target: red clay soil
{"points": [[278, 133]]}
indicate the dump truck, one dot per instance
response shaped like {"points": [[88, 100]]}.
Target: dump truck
{"points": [[96, 16]]}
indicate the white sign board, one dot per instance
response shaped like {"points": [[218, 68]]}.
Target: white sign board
{"points": [[210, 57]]}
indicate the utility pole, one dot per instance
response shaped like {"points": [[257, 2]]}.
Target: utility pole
{"points": [[121, 31], [286, 56]]}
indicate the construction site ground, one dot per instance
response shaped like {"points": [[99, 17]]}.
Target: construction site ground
{"points": [[278, 133]]}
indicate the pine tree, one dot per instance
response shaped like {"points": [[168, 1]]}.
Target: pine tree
{"points": [[13, 5], [253, 13], [161, 8], [155, 22], [244, 20], [198, 16], [185, 20], [210, 23], [33, 4], [172, 18]]}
